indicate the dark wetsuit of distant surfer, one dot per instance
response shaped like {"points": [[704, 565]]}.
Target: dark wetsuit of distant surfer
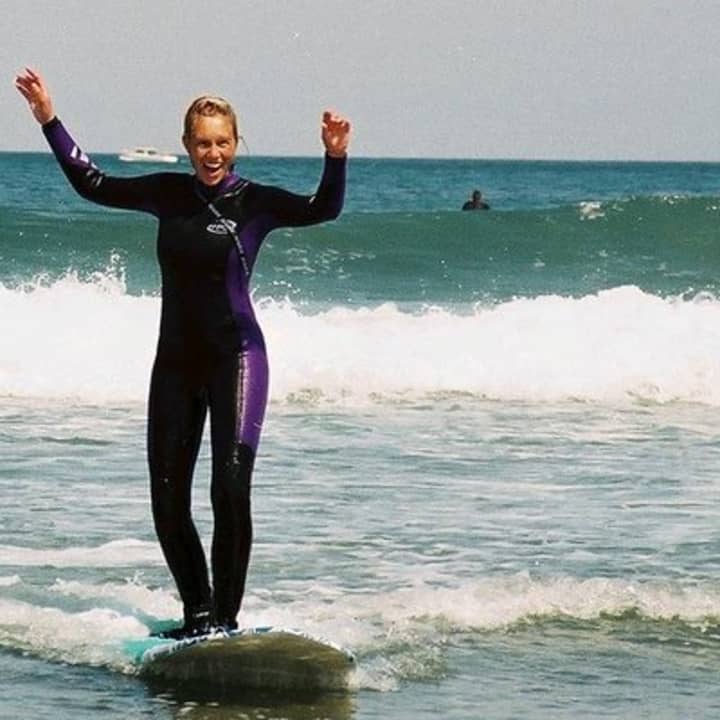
{"points": [[476, 202], [210, 353]]}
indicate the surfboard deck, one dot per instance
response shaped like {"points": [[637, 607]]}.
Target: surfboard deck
{"points": [[256, 657]]}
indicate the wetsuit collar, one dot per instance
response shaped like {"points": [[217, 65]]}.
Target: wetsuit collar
{"points": [[212, 192]]}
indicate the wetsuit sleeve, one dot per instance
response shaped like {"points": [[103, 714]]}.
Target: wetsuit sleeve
{"points": [[288, 209], [91, 183]]}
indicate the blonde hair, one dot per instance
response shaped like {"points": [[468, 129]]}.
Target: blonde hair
{"points": [[207, 106]]}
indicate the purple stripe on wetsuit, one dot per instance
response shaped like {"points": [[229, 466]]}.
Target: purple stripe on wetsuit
{"points": [[253, 363]]}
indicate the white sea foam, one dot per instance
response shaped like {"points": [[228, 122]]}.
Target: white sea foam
{"points": [[397, 634], [132, 594], [118, 553], [88, 340], [404, 633], [502, 601], [93, 342], [369, 622], [591, 210], [92, 637]]}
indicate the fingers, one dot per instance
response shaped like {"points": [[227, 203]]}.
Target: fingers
{"points": [[335, 122], [26, 90], [30, 76], [23, 90], [335, 134], [30, 81], [31, 86]]}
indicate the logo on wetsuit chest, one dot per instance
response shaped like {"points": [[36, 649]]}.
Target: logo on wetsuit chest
{"points": [[222, 228]]}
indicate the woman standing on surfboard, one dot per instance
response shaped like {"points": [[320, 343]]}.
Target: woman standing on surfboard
{"points": [[211, 351]]}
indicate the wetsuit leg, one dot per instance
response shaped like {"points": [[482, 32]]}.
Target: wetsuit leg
{"points": [[177, 409], [238, 395]]}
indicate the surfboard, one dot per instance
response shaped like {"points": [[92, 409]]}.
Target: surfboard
{"points": [[256, 657]]}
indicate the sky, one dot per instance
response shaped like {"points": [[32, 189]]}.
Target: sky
{"points": [[531, 79]]}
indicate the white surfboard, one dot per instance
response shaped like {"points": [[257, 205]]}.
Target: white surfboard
{"points": [[257, 657]]}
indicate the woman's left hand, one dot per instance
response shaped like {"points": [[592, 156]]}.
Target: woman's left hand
{"points": [[335, 134]]}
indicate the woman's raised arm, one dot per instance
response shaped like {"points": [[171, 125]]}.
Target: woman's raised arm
{"points": [[143, 193]]}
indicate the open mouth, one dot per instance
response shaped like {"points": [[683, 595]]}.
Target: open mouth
{"points": [[213, 170]]}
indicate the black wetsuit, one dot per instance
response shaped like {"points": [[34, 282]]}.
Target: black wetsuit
{"points": [[210, 354], [472, 205]]}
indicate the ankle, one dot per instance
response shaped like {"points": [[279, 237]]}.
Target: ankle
{"points": [[199, 617]]}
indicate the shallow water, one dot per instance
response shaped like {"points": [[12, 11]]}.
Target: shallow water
{"points": [[517, 558]]}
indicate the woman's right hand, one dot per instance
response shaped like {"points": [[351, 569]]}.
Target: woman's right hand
{"points": [[32, 88]]}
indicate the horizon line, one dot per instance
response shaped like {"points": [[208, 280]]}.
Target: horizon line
{"points": [[450, 158]]}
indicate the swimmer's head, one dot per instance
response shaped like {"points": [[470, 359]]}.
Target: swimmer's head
{"points": [[211, 138], [209, 106]]}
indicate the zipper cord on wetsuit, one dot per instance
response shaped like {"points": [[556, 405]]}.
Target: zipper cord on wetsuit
{"points": [[229, 225]]}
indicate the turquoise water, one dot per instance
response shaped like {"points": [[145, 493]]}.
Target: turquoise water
{"points": [[489, 466]]}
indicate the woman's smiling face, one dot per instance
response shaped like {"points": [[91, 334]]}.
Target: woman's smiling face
{"points": [[211, 147]]}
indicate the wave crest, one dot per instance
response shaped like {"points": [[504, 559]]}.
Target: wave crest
{"points": [[93, 342]]}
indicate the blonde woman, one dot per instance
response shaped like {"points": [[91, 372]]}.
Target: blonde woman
{"points": [[211, 353]]}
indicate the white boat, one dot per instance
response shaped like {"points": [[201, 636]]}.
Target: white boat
{"points": [[147, 154]]}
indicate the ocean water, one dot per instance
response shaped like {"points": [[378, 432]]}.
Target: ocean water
{"points": [[489, 467]]}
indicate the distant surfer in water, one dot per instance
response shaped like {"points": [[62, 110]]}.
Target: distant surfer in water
{"points": [[211, 351], [476, 202]]}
